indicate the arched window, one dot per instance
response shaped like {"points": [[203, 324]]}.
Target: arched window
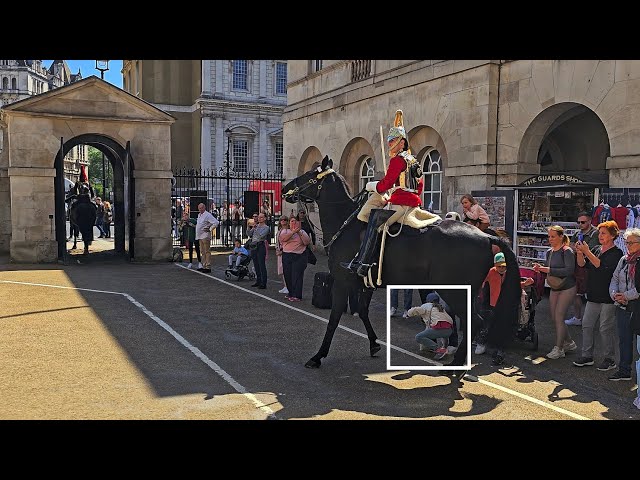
{"points": [[14, 84], [5, 83], [432, 170], [367, 172]]}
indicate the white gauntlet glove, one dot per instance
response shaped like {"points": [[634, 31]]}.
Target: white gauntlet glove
{"points": [[371, 187]]}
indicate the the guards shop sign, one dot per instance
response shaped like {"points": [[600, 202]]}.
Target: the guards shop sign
{"points": [[541, 180]]}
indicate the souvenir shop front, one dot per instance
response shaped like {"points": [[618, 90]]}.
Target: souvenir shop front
{"points": [[539, 202]]}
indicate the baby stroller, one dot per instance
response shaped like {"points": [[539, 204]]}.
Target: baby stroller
{"points": [[526, 328], [244, 270]]}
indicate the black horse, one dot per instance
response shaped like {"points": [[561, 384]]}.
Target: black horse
{"points": [[82, 217], [451, 253]]}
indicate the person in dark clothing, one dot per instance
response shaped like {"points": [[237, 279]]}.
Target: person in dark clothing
{"points": [[306, 226], [499, 321]]}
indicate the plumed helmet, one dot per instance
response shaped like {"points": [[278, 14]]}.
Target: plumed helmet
{"points": [[397, 131]]}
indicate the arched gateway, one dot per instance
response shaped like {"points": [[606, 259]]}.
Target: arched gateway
{"points": [[35, 135]]}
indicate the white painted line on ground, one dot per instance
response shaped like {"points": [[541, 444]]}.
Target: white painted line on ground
{"points": [[273, 300], [472, 377], [60, 286], [530, 399], [184, 342]]}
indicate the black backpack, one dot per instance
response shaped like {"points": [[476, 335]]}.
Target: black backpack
{"points": [[322, 285]]}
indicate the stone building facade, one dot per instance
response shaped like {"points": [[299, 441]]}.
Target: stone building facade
{"points": [[472, 123], [20, 79], [135, 138], [219, 104]]}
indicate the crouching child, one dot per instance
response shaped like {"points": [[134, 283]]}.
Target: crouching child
{"points": [[439, 326]]}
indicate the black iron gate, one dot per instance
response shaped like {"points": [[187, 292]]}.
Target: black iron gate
{"points": [[232, 197]]}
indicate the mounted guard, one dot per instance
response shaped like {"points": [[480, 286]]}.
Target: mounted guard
{"points": [[399, 191]]}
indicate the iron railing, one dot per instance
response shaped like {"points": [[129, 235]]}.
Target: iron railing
{"points": [[246, 192], [360, 69]]}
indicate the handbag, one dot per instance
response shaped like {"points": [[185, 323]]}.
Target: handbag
{"points": [[311, 257], [556, 283]]}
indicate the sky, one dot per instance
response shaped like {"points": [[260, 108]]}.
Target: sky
{"points": [[88, 68]]}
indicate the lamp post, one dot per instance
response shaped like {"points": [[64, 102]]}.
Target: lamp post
{"points": [[228, 166], [103, 66]]}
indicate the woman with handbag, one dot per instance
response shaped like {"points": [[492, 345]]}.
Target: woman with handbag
{"points": [[294, 242], [283, 224], [559, 267]]}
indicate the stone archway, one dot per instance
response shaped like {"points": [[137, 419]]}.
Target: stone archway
{"points": [[355, 152], [310, 156], [124, 186], [37, 130], [566, 137]]}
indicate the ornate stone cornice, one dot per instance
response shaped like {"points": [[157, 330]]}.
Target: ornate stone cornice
{"points": [[215, 105]]}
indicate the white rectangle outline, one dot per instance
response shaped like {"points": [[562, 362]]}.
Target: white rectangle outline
{"points": [[467, 333]]}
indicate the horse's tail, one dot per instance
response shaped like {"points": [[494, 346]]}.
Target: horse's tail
{"points": [[510, 292]]}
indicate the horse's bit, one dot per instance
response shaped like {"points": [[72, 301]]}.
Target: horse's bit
{"points": [[312, 182]]}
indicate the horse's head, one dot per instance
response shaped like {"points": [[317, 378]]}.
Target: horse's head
{"points": [[307, 187]]}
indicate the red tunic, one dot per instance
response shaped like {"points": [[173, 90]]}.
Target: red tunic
{"points": [[399, 197]]}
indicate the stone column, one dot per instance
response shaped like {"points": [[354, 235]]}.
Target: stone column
{"points": [[206, 77], [262, 147], [153, 215], [221, 143], [263, 78], [219, 68], [33, 234], [205, 143], [5, 211]]}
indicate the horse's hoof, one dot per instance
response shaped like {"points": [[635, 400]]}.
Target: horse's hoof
{"points": [[375, 349], [312, 364]]}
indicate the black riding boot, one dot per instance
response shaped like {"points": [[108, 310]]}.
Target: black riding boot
{"points": [[363, 260]]}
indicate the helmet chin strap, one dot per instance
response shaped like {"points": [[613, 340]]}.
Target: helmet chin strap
{"points": [[395, 149]]}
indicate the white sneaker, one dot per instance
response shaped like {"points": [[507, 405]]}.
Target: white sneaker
{"points": [[451, 350], [284, 290], [199, 264], [405, 314], [573, 321], [636, 402], [355, 314], [189, 266], [480, 349], [555, 353], [393, 313], [569, 346]]}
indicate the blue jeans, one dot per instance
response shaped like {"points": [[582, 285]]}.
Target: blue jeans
{"points": [[625, 342], [408, 293], [428, 335]]}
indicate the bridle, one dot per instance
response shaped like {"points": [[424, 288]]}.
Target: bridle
{"points": [[317, 182], [313, 182]]}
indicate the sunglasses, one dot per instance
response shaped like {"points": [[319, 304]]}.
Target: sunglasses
{"points": [[630, 243], [583, 221]]}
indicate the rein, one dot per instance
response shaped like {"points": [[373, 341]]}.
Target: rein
{"points": [[318, 181]]}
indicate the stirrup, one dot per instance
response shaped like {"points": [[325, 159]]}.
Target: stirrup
{"points": [[363, 269]]}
